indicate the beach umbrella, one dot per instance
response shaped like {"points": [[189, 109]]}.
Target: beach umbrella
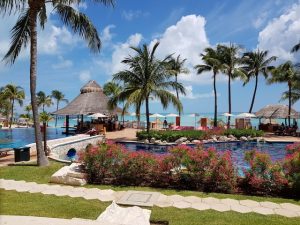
{"points": [[98, 115], [246, 115], [227, 114], [172, 115]]}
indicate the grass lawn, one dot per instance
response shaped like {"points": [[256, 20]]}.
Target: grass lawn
{"points": [[42, 175], [66, 207]]}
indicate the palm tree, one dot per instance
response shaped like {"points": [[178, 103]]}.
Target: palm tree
{"points": [[286, 73], [147, 77], [5, 106], [45, 118], [28, 109], [296, 48], [13, 93], [25, 32], [230, 61], [256, 63], [176, 67], [59, 97], [212, 62], [43, 100], [295, 94]]}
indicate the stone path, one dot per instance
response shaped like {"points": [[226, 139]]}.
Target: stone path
{"points": [[161, 200]]}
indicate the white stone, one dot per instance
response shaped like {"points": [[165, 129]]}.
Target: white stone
{"points": [[62, 177], [243, 138], [285, 212], [176, 198], [220, 207], [270, 205], [152, 140], [229, 201], [210, 200], [182, 204], [240, 208], [249, 203], [196, 142], [291, 207], [263, 210], [200, 206], [192, 199]]}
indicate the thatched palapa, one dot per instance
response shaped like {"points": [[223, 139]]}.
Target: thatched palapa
{"points": [[91, 100], [276, 112]]}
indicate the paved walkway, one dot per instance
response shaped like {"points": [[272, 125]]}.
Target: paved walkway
{"points": [[221, 205]]}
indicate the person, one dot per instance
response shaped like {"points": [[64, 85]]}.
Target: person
{"points": [[165, 124]]}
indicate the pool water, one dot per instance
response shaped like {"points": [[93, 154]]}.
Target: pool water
{"points": [[19, 137], [276, 150]]}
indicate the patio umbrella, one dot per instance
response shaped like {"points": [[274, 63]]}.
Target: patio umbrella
{"points": [[227, 114], [246, 115], [172, 115], [98, 115]]}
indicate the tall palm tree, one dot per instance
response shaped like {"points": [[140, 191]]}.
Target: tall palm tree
{"points": [[147, 77], [286, 73], [211, 62], [13, 93], [229, 56], [25, 32], [5, 106], [176, 67], [59, 97], [255, 63], [43, 100]]}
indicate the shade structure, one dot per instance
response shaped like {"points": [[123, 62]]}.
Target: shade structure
{"points": [[98, 115], [172, 115], [194, 115], [91, 100], [246, 115], [155, 115], [227, 114], [276, 112]]}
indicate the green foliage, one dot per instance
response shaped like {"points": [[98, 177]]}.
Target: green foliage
{"points": [[244, 132], [171, 136]]}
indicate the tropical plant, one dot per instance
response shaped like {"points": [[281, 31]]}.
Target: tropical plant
{"points": [[5, 106], [13, 93], [25, 32], [28, 109], [211, 62], [176, 67], [295, 94], [43, 100], [146, 78], [286, 73], [229, 57], [58, 96], [256, 63], [45, 118]]}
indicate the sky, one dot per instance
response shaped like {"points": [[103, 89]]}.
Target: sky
{"points": [[184, 27]]}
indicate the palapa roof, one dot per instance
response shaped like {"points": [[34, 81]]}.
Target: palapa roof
{"points": [[90, 100], [276, 112]]}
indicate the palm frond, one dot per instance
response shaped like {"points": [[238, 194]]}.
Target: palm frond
{"points": [[80, 24], [11, 6], [296, 48], [20, 35], [42, 15]]}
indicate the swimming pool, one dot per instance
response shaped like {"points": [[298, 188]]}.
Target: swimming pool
{"points": [[19, 137], [276, 149]]}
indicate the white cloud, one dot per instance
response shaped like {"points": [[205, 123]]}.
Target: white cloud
{"points": [[260, 20], [133, 14], [191, 95], [63, 63], [281, 34], [106, 34], [85, 76]]}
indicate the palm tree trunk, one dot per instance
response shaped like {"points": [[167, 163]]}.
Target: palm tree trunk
{"points": [[290, 104], [56, 115], [41, 157], [147, 115], [254, 93], [43, 108], [12, 112], [216, 103], [177, 94], [229, 100], [45, 137]]}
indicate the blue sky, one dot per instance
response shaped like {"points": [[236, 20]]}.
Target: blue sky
{"points": [[183, 27]]}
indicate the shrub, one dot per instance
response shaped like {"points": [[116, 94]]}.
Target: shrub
{"points": [[263, 177], [292, 166]]}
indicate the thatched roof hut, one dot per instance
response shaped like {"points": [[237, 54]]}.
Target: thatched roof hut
{"points": [[90, 100], [276, 112]]}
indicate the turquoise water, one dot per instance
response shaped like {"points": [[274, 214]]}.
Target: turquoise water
{"points": [[186, 120], [19, 137]]}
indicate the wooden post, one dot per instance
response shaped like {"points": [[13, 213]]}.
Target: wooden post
{"points": [[67, 124]]}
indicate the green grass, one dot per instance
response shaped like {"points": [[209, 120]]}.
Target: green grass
{"points": [[42, 175], [14, 203]]}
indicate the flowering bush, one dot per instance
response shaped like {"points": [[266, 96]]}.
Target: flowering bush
{"points": [[292, 166], [263, 177]]}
